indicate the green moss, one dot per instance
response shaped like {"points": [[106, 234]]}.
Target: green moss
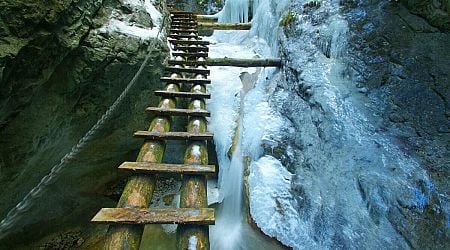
{"points": [[288, 19]]}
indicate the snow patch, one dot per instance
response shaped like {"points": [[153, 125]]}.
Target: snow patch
{"points": [[128, 28]]}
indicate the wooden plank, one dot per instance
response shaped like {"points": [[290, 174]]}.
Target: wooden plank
{"points": [[164, 168], [177, 112], [180, 36], [184, 18], [237, 62], [184, 31], [224, 26], [189, 42], [185, 80], [187, 63], [234, 62], [183, 26], [187, 70], [190, 54], [170, 94], [198, 216], [184, 22], [192, 49], [149, 135]]}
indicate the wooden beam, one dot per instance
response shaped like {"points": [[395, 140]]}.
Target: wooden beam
{"points": [[185, 80], [187, 70], [177, 112], [138, 191], [164, 168], [173, 135], [172, 94], [189, 42], [191, 49], [184, 31], [236, 62], [183, 26], [187, 63], [190, 54], [198, 216], [224, 26], [179, 36]]}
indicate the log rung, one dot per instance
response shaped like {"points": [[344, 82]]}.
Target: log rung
{"points": [[189, 42], [164, 168], [182, 94], [187, 63], [183, 31], [198, 216], [190, 54], [184, 26], [184, 19], [192, 49], [185, 80], [178, 36], [184, 22], [177, 112], [149, 135], [187, 70], [224, 26]]}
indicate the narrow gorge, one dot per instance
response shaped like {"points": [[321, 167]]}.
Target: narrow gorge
{"points": [[335, 134]]}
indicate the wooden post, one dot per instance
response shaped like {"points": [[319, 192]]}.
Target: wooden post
{"points": [[139, 189], [224, 26], [193, 189]]}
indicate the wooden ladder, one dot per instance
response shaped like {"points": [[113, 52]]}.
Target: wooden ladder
{"points": [[193, 216]]}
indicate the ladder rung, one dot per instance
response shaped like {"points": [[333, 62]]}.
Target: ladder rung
{"points": [[185, 80], [183, 36], [184, 31], [199, 216], [183, 22], [182, 94], [178, 112], [192, 49], [187, 63], [187, 70], [189, 42], [184, 19], [190, 54], [164, 168], [149, 135]]}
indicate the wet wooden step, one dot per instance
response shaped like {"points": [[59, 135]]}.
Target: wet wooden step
{"points": [[190, 54], [180, 18], [185, 80], [187, 70], [187, 63], [177, 112], [182, 94], [164, 168], [184, 23], [183, 26], [184, 31], [149, 135], [181, 36], [192, 49], [198, 216], [189, 42]]}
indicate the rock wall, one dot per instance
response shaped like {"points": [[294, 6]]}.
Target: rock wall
{"points": [[62, 64], [365, 103]]}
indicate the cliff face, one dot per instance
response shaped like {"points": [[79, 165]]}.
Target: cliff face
{"points": [[62, 64], [365, 103]]}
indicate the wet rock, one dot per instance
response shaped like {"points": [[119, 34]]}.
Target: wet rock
{"points": [[61, 70]]}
